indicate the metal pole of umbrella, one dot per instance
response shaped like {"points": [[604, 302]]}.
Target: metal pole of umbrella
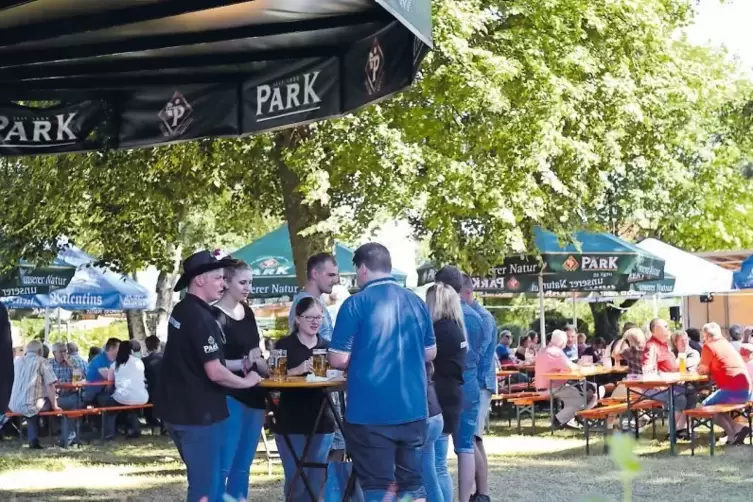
{"points": [[46, 325], [656, 306], [542, 321], [575, 313]]}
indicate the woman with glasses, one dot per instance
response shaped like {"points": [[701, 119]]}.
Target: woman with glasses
{"points": [[299, 408], [246, 407]]}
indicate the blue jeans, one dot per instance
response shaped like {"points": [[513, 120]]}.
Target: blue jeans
{"points": [[132, 419], [434, 427], [200, 447], [241, 440], [32, 423], [318, 452], [463, 437], [387, 459], [441, 446]]}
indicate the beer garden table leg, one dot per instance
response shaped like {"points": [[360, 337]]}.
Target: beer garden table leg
{"points": [[672, 423], [301, 463]]}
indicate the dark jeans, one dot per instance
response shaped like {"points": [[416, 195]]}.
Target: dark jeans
{"points": [[200, 447], [387, 458], [97, 396], [132, 419]]}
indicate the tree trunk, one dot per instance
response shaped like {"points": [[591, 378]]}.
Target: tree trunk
{"points": [[299, 214], [607, 318], [136, 324]]}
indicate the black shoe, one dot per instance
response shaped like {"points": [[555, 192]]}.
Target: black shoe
{"points": [[684, 435], [482, 498], [133, 435], [740, 436], [34, 445]]}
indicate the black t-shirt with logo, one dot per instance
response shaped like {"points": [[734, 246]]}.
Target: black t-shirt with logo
{"points": [[240, 338], [298, 408], [185, 394]]}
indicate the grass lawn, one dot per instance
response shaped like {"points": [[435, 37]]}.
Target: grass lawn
{"points": [[526, 468]]}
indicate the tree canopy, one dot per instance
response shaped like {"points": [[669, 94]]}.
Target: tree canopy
{"points": [[570, 114]]}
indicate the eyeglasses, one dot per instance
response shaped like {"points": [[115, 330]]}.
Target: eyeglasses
{"points": [[312, 318]]}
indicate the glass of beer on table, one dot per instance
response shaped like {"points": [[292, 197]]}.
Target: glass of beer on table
{"points": [[279, 359], [76, 375], [320, 362]]}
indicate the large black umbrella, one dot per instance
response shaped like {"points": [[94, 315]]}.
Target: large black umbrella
{"points": [[131, 73]]}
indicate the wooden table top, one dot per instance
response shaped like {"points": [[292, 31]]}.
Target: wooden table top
{"points": [[648, 381], [582, 375], [300, 383], [504, 373]]}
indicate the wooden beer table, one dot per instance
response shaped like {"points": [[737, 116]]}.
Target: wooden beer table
{"points": [[670, 381], [327, 387]]}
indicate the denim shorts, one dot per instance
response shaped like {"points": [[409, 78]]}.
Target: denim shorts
{"points": [[463, 437], [722, 396]]}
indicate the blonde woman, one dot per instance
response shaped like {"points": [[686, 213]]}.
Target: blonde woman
{"points": [[449, 366]]}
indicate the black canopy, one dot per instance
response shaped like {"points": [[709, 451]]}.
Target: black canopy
{"points": [[130, 73]]}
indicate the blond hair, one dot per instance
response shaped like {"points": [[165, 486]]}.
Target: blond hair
{"points": [[636, 337], [444, 303]]}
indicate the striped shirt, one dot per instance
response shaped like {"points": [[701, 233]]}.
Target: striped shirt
{"points": [[31, 374], [64, 371]]}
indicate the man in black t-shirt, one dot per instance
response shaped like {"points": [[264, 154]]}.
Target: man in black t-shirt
{"points": [[190, 396]]}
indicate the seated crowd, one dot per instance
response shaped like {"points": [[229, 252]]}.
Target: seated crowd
{"points": [[45, 384], [728, 362]]}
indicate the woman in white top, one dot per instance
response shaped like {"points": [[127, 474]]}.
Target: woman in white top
{"points": [[127, 373]]}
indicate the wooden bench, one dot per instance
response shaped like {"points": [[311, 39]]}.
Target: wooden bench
{"points": [[82, 412], [598, 418], [527, 404], [705, 416]]}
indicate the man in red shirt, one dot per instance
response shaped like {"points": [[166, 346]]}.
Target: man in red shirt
{"points": [[725, 365], [658, 358]]}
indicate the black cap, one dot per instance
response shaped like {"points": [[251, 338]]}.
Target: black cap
{"points": [[450, 275], [197, 264]]}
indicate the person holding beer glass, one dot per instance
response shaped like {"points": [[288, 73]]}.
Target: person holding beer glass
{"points": [[247, 407], [298, 408]]}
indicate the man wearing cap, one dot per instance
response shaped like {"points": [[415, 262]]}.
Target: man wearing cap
{"points": [[465, 446], [193, 376]]}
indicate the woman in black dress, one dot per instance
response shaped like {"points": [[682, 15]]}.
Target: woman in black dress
{"points": [[247, 407], [449, 330]]}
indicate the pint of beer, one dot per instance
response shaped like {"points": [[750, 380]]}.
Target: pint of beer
{"points": [[76, 375], [320, 362], [279, 361]]}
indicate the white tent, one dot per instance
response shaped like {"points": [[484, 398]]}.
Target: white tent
{"points": [[693, 275]]}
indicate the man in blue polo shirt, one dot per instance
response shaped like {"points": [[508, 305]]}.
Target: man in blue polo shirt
{"points": [[97, 372], [384, 337]]}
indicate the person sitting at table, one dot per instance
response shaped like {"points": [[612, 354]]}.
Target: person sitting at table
{"points": [[524, 345], [724, 364], [746, 352], [33, 390], [152, 363], [63, 365], [503, 349], [596, 350], [553, 360], [582, 345], [681, 345], [127, 372], [571, 347], [694, 339], [75, 356], [658, 358], [93, 352], [298, 408], [629, 349], [98, 371]]}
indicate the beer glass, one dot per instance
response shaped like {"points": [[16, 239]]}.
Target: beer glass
{"points": [[279, 359], [320, 362], [76, 375]]}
